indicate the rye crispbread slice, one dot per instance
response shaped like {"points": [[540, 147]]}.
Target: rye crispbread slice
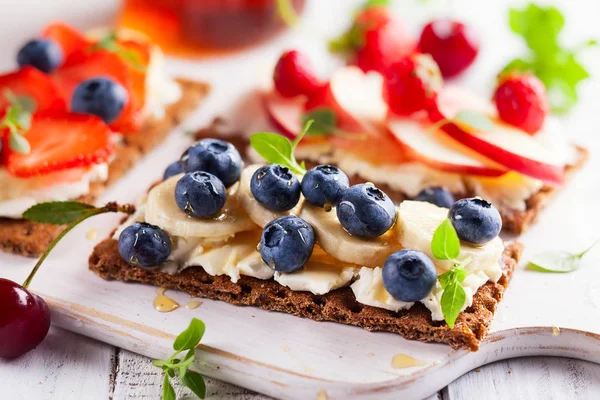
{"points": [[30, 239], [513, 221], [338, 305]]}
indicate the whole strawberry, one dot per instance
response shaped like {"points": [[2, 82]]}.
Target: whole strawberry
{"points": [[411, 84], [294, 75], [522, 101], [452, 44], [375, 40]]}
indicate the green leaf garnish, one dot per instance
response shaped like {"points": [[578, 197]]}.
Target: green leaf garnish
{"points": [[324, 121], [558, 261], [189, 338], [110, 43], [186, 340], [476, 120], [454, 296], [556, 66], [57, 212], [376, 3], [445, 244], [17, 120], [277, 149], [285, 9], [354, 37], [63, 212]]}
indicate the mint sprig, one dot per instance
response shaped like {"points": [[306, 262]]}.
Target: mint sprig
{"points": [[174, 366], [445, 245], [110, 43], [556, 66], [287, 12], [66, 212], [558, 261], [17, 120], [277, 149]]}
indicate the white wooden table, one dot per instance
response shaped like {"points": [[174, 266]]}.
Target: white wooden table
{"points": [[69, 366]]}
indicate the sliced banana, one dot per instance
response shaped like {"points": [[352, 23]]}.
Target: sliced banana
{"points": [[259, 214], [418, 220], [334, 239], [162, 210]]}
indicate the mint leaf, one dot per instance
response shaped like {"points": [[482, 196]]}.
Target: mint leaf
{"points": [[110, 43], [558, 261], [57, 212], [477, 120], [324, 121], [285, 9], [189, 338], [376, 3], [183, 365], [18, 143], [17, 119], [195, 382], [452, 301], [445, 244], [168, 392]]}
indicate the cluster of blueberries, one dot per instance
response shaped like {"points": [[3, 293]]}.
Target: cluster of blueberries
{"points": [[287, 242], [98, 96]]}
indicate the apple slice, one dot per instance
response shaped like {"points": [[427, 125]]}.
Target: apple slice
{"points": [[506, 145], [285, 114], [438, 151]]}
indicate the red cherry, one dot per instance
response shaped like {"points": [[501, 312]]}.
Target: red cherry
{"points": [[521, 101], [294, 75], [411, 84], [24, 319], [452, 44]]}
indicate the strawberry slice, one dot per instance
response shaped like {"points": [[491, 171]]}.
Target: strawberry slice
{"points": [[138, 60], [35, 84], [59, 141], [85, 65], [69, 38]]}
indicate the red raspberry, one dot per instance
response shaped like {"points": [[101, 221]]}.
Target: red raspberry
{"points": [[294, 75], [452, 44], [412, 83], [521, 101]]}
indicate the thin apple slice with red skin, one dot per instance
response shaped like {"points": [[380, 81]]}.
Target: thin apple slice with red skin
{"points": [[505, 145], [437, 151], [284, 113]]}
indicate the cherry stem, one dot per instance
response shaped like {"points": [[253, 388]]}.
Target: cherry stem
{"points": [[110, 207]]}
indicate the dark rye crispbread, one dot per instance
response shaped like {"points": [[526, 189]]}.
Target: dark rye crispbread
{"points": [[513, 221], [22, 237], [338, 305]]}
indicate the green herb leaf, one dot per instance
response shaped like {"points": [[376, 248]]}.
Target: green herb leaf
{"points": [[168, 392], [18, 143], [277, 149], [285, 9], [189, 338], [452, 301], [558, 261], [376, 3], [110, 43], [183, 365], [556, 66], [445, 244], [17, 120], [195, 382], [57, 212], [476, 120], [324, 121]]}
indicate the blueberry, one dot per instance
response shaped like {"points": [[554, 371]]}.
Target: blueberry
{"points": [[366, 211], [200, 194], [475, 220], [408, 275], [144, 245], [324, 184], [275, 187], [102, 97], [287, 243], [43, 54], [218, 157], [437, 195], [173, 169]]}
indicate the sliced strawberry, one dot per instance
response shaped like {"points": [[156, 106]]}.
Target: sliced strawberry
{"points": [[85, 65], [69, 38], [35, 84], [61, 140]]}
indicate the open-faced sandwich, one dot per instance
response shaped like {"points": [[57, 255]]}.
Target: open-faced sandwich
{"points": [[310, 244], [413, 137], [76, 115]]}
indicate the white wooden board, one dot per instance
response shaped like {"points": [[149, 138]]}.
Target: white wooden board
{"points": [[289, 357]]}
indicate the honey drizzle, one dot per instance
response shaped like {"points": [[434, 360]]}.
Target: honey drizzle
{"points": [[405, 361], [164, 303]]}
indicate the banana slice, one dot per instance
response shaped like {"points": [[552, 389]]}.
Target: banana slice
{"points": [[162, 210], [259, 214], [338, 243], [418, 220]]}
